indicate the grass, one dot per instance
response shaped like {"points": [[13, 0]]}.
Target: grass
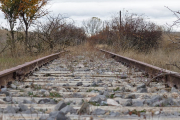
{"points": [[92, 90], [55, 94], [161, 57], [117, 89], [6, 61]]}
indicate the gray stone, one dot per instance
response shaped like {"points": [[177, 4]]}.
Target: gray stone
{"points": [[87, 69], [16, 109], [162, 91], [123, 76], [142, 90], [128, 103], [42, 101], [94, 84], [8, 99], [9, 109], [67, 109], [146, 97], [43, 118], [99, 112], [61, 116], [51, 79], [130, 96], [126, 112], [98, 98], [6, 93], [79, 84], [76, 95], [95, 99], [27, 112], [27, 102], [94, 91], [173, 89], [165, 103], [1, 110], [86, 85], [23, 107], [123, 89], [103, 97], [106, 93], [141, 86], [13, 86], [117, 101], [52, 101], [3, 89], [118, 95], [66, 84], [42, 91], [176, 113], [114, 114], [99, 81], [134, 115], [103, 103], [54, 114], [148, 102], [101, 92], [78, 77], [156, 98], [60, 105], [138, 104]]}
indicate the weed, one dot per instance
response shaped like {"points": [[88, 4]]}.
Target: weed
{"points": [[111, 96], [54, 94], [30, 93], [47, 74], [37, 87], [21, 90], [117, 89], [94, 103], [136, 112], [90, 90]]}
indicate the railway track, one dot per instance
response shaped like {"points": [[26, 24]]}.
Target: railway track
{"points": [[88, 86]]}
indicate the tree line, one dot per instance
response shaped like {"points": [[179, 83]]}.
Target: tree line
{"points": [[130, 31], [45, 35]]}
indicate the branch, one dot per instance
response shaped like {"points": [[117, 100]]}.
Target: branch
{"points": [[4, 48], [175, 65]]}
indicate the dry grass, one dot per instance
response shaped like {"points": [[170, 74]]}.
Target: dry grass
{"points": [[80, 49], [162, 57], [7, 61]]}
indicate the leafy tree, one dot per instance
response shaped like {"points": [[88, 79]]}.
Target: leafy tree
{"points": [[10, 10], [29, 11]]}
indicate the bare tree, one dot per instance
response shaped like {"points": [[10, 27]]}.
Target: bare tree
{"points": [[57, 32], [174, 37], [92, 26]]}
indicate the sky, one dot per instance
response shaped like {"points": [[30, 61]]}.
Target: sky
{"points": [[80, 10]]}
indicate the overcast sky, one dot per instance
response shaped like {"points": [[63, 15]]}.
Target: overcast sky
{"points": [[80, 10]]}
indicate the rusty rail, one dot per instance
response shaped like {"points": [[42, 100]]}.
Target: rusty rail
{"points": [[20, 71], [171, 78]]}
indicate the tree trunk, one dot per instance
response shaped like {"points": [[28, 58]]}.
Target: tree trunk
{"points": [[12, 41], [26, 34], [51, 45]]}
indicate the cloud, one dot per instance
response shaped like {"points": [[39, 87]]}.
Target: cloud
{"points": [[80, 10]]}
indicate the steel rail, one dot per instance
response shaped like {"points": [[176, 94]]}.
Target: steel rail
{"points": [[16, 73], [171, 78]]}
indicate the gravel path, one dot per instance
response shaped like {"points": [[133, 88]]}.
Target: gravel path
{"points": [[88, 86]]}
